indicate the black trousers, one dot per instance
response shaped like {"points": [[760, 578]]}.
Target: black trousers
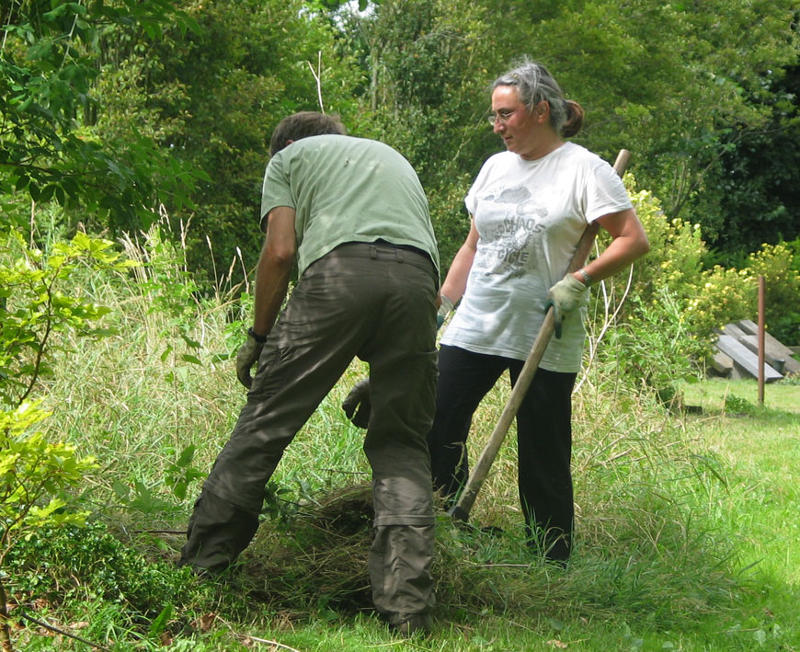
{"points": [[544, 438]]}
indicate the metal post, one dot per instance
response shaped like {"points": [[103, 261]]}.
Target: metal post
{"points": [[761, 355]]}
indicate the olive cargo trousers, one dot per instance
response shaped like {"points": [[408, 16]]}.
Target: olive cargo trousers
{"points": [[376, 302]]}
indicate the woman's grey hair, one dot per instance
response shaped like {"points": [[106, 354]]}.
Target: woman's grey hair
{"points": [[535, 83]]}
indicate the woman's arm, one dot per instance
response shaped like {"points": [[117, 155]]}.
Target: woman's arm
{"points": [[456, 281], [628, 242]]}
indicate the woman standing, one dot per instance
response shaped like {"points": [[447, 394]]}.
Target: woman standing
{"points": [[528, 208]]}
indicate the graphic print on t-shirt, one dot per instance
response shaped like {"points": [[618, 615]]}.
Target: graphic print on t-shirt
{"points": [[508, 224]]}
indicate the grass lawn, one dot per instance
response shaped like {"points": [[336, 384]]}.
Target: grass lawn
{"points": [[760, 505], [618, 603], [687, 535]]}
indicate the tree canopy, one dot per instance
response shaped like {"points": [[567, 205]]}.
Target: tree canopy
{"points": [[121, 110], [48, 75]]}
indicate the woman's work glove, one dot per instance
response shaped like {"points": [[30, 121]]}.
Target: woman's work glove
{"points": [[565, 296], [247, 356], [357, 405], [444, 310]]}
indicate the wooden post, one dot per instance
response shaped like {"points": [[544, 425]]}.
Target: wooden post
{"points": [[761, 344]]}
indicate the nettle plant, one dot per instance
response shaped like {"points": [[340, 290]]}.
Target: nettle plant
{"points": [[36, 473]]}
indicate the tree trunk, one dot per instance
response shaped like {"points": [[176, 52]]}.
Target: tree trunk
{"points": [[5, 633]]}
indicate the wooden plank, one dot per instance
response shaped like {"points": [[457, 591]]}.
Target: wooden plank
{"points": [[770, 357], [745, 358], [773, 348], [751, 329], [774, 356], [791, 366], [734, 331], [748, 326], [722, 363]]}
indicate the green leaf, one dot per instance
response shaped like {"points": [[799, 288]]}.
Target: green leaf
{"points": [[160, 622], [186, 456], [190, 342]]}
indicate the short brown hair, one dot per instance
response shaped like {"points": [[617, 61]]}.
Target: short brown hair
{"points": [[301, 125]]}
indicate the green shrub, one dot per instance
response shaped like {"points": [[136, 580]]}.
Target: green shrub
{"points": [[722, 296], [777, 265], [75, 563], [37, 474], [654, 348], [37, 306], [676, 249], [689, 304], [641, 322]]}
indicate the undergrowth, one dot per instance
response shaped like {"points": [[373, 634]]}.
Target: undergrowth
{"points": [[155, 402]]}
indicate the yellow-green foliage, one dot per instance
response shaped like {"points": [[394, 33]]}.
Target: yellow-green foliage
{"points": [[781, 289], [723, 295], [34, 472], [729, 294], [707, 299], [41, 299], [676, 248]]}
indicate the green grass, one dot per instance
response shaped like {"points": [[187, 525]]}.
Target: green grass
{"points": [[686, 533], [686, 523]]}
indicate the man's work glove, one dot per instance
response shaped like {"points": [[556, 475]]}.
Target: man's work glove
{"points": [[247, 356], [444, 310], [356, 404], [565, 296]]}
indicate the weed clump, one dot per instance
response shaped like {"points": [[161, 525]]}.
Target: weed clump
{"points": [[72, 563]]}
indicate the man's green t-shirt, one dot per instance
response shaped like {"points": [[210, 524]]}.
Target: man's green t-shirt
{"points": [[347, 189]]}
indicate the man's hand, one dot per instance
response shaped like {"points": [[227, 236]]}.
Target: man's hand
{"points": [[565, 296], [357, 405], [247, 356]]}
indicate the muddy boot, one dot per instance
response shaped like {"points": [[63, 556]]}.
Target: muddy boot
{"points": [[408, 625]]}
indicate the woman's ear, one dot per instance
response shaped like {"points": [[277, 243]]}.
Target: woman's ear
{"points": [[542, 110]]}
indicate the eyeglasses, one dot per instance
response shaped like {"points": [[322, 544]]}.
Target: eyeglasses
{"points": [[502, 116]]}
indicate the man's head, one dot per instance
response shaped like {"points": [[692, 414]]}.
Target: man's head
{"points": [[301, 125]]}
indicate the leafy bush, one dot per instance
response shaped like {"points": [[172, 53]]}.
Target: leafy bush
{"points": [[655, 347], [69, 562], [666, 331], [781, 289], [36, 474], [676, 248], [722, 296], [36, 308], [642, 320]]}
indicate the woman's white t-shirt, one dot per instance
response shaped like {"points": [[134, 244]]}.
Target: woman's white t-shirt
{"points": [[530, 216]]}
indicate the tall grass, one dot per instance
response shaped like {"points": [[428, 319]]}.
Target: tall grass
{"points": [[653, 556]]}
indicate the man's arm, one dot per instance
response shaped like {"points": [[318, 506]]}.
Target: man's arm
{"points": [[274, 268]]}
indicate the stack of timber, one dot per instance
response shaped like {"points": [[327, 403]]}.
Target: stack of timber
{"points": [[737, 354]]}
